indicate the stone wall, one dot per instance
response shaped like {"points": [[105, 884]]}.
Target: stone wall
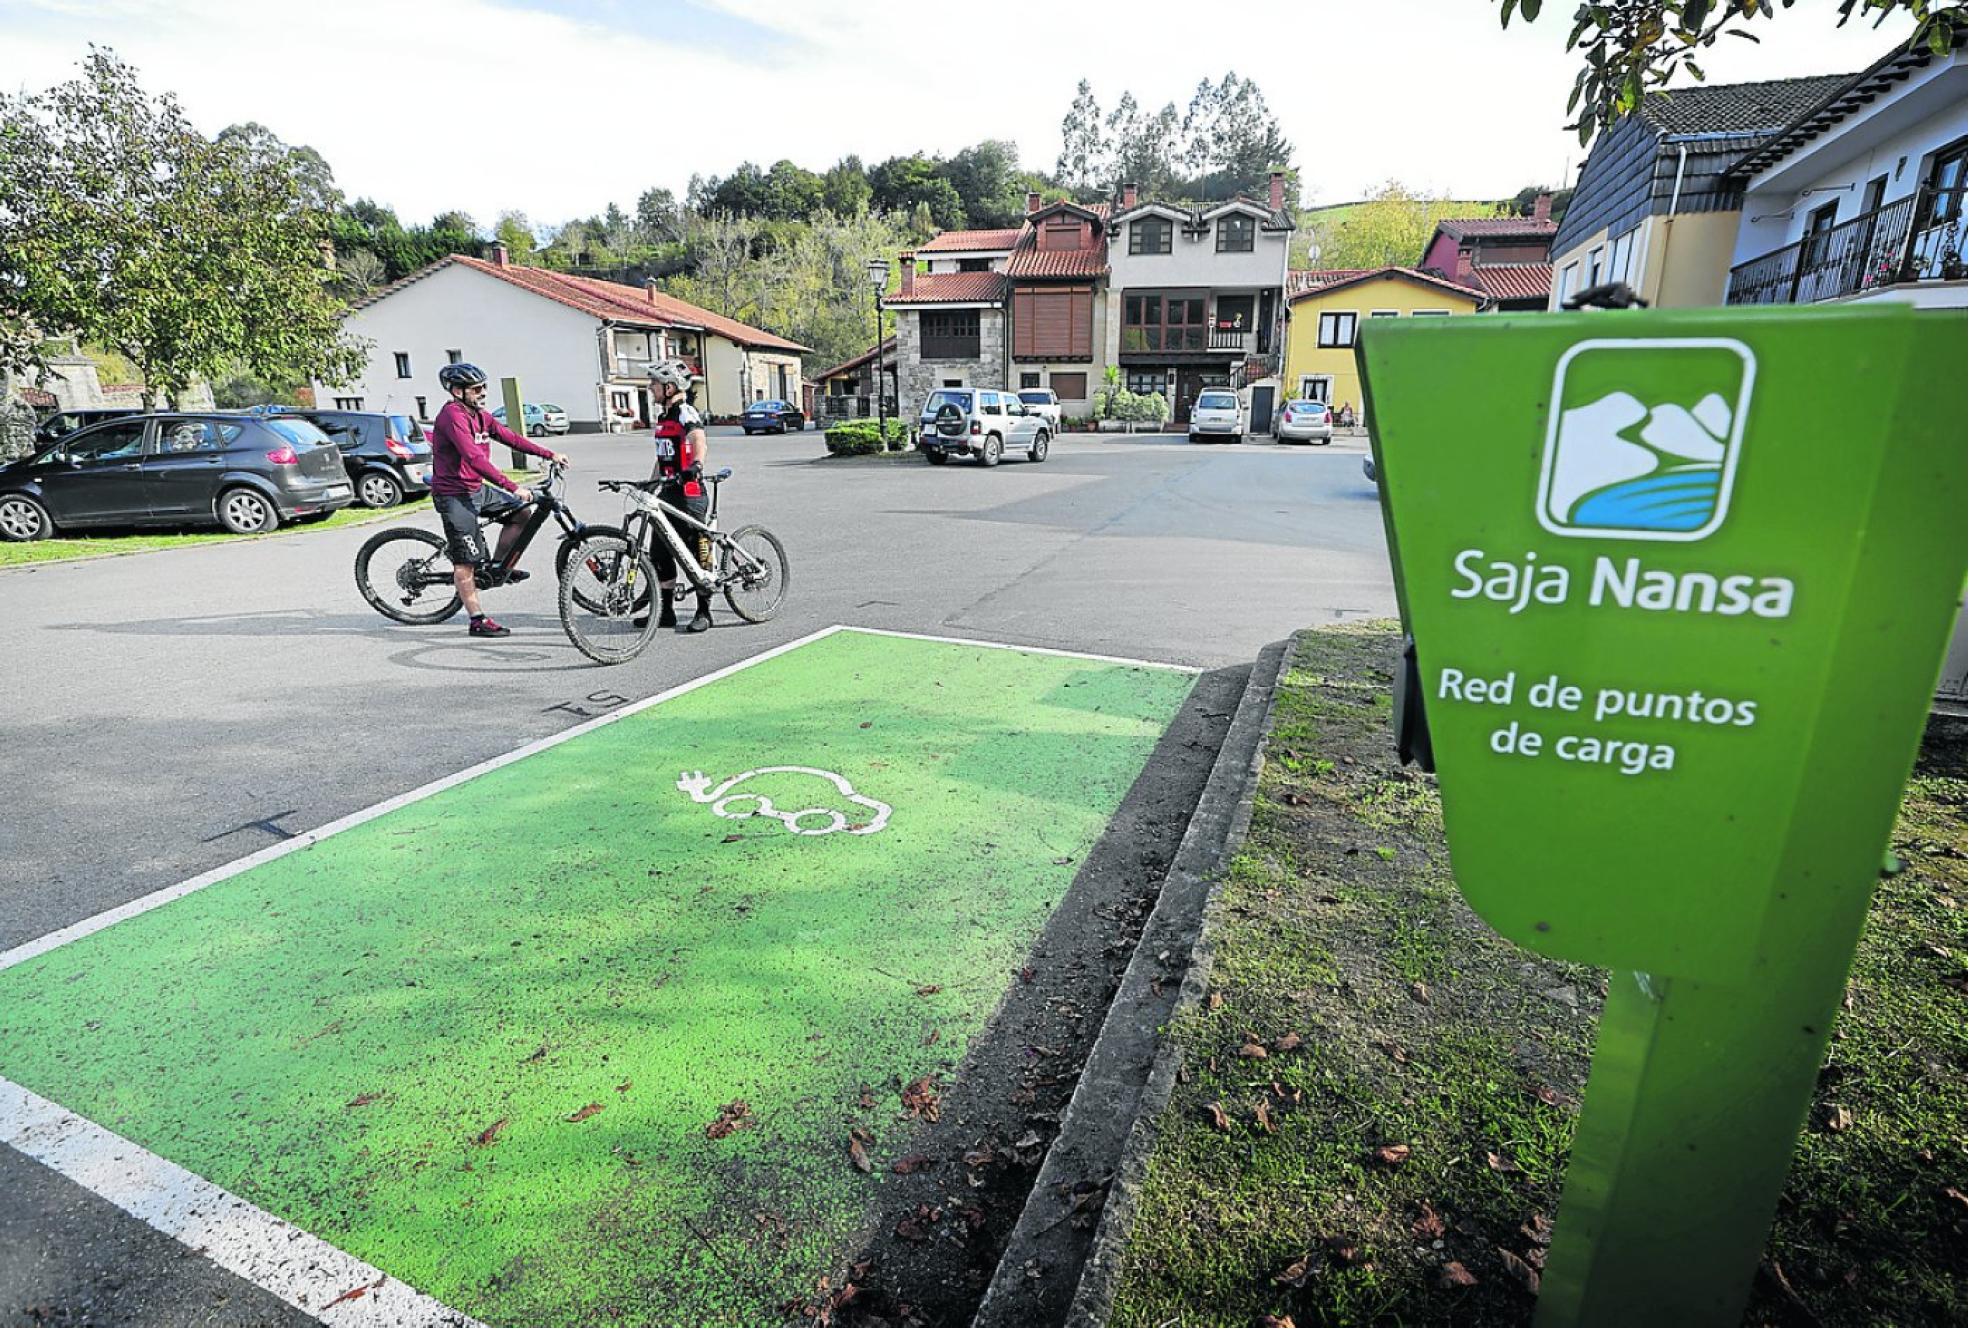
{"points": [[920, 377]]}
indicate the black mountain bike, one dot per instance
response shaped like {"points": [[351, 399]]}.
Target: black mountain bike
{"points": [[405, 572], [609, 579]]}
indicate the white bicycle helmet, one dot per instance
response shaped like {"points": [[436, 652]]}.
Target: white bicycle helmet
{"points": [[673, 372]]}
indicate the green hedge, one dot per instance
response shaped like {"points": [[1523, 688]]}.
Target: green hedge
{"points": [[863, 437]]}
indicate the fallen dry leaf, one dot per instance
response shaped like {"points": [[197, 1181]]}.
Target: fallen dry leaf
{"points": [[1289, 1042], [1455, 1275], [929, 990], [1295, 1274], [1392, 1155], [731, 1117], [1551, 1097], [867, 1096], [935, 1036], [623, 1087], [1218, 1117], [1537, 1230], [978, 1157], [364, 1099], [1275, 1321], [911, 1163], [592, 1109], [1429, 1226], [490, 1132], [1395, 1052], [1252, 1051], [920, 1100], [1216, 1000], [1839, 1120], [1262, 1113], [1954, 1195], [1419, 990], [1501, 1163], [355, 1293], [1527, 1276], [1344, 1251], [731, 839], [1027, 973], [857, 1153], [867, 723]]}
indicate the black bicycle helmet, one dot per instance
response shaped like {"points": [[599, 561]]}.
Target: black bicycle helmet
{"points": [[453, 376]]}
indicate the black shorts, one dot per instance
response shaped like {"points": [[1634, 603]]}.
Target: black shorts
{"points": [[461, 513]]}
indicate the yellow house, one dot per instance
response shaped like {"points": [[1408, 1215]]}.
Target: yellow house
{"points": [[1327, 308]]}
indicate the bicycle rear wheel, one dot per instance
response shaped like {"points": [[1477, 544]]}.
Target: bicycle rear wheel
{"points": [[405, 574], [565, 555], [605, 589], [756, 576]]}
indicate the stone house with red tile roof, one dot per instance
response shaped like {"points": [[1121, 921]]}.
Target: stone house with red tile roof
{"points": [[576, 342], [1019, 307]]}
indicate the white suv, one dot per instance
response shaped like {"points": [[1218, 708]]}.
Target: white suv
{"points": [[1217, 413], [1044, 401], [971, 421]]}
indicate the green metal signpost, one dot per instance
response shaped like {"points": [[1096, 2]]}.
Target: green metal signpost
{"points": [[1677, 613]]}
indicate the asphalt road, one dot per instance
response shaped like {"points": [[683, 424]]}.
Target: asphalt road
{"points": [[174, 711]]}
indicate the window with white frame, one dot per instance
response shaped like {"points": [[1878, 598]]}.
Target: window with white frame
{"points": [[1337, 330], [1619, 267], [1568, 282], [403, 364], [1595, 263], [1316, 387]]}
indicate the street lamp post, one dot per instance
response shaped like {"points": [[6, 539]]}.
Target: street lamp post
{"points": [[878, 278]]}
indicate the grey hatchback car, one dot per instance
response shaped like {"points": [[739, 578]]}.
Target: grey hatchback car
{"points": [[243, 472]]}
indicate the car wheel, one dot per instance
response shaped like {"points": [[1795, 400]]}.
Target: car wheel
{"points": [[23, 519], [936, 455], [536, 430], [247, 512], [993, 450], [1039, 447], [748, 432], [375, 489]]}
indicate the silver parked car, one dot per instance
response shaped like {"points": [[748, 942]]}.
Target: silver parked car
{"points": [[971, 421], [1217, 414], [1305, 421]]}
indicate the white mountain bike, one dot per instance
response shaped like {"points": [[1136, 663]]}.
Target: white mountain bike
{"points": [[609, 585]]}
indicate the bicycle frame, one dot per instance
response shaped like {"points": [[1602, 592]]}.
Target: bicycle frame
{"points": [[653, 507]]}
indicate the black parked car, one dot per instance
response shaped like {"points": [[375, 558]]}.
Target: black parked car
{"points": [[772, 417], [56, 424], [387, 455], [175, 469]]}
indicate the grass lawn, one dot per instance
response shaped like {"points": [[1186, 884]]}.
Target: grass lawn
{"points": [[143, 541], [1398, 1153]]}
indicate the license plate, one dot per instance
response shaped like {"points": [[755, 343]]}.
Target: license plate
{"points": [[338, 491]]}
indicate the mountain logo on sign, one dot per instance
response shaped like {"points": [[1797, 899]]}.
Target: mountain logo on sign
{"points": [[1636, 464]]}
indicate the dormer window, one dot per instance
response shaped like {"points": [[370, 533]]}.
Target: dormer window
{"points": [[1236, 235], [1151, 235], [973, 265]]}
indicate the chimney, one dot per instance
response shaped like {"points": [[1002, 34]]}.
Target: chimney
{"points": [[1541, 210], [1277, 191], [1129, 195], [908, 275], [1032, 201], [649, 289], [1465, 262], [500, 258]]}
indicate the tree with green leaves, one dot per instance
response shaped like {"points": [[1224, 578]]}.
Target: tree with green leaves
{"points": [[357, 272], [128, 228], [514, 232], [657, 219], [312, 175], [1632, 48], [844, 190], [1390, 229], [1086, 153], [989, 183], [901, 184]]}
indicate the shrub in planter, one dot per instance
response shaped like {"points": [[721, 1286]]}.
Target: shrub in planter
{"points": [[865, 437]]}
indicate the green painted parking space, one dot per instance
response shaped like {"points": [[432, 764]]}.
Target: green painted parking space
{"points": [[483, 1041]]}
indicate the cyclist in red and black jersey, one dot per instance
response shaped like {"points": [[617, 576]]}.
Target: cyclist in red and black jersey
{"points": [[679, 479]]}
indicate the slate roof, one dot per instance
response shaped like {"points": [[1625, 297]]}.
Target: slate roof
{"points": [[1847, 98], [1742, 108], [1497, 228]]}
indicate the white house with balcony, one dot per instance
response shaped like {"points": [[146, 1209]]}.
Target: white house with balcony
{"points": [[575, 342], [1861, 197], [1200, 292]]}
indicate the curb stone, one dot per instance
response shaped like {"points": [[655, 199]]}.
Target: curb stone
{"points": [[1107, 1131]]}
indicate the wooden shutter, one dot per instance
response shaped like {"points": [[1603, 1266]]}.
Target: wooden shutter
{"points": [[1023, 323], [1070, 387]]}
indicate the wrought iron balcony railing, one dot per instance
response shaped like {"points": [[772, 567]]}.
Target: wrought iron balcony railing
{"points": [[1916, 238]]}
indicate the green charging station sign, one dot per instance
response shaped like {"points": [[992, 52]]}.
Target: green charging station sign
{"points": [[1678, 595]]}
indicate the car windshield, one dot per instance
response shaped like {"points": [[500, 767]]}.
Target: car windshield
{"points": [[296, 431], [548, 405], [1217, 401], [1304, 405], [1036, 398], [768, 405], [946, 397], [404, 429]]}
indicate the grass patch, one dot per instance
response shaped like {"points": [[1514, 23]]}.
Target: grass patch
{"points": [[1420, 1029]]}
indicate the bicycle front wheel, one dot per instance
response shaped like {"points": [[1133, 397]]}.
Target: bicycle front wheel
{"points": [[581, 595], [604, 599], [405, 574], [756, 576]]}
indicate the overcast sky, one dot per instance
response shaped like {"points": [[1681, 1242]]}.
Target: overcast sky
{"points": [[558, 107]]}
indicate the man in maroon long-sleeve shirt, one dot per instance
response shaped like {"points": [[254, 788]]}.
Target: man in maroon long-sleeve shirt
{"points": [[461, 463]]}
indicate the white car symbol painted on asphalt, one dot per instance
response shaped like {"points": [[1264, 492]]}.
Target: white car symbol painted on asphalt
{"points": [[739, 806]]}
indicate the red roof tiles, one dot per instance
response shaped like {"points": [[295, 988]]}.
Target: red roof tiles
{"points": [[1514, 281], [953, 288], [1338, 278], [1028, 260], [1493, 228], [970, 241]]}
